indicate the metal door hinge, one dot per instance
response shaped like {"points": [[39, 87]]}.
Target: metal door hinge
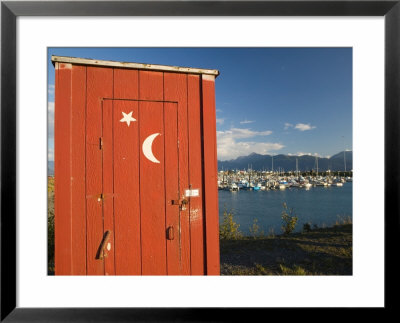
{"points": [[101, 142]]}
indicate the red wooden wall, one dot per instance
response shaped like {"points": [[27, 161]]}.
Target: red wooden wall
{"points": [[135, 205]]}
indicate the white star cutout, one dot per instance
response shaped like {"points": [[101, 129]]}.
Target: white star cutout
{"points": [[127, 118]]}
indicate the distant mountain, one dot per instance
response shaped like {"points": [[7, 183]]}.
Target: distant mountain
{"points": [[285, 162], [50, 168], [288, 163]]}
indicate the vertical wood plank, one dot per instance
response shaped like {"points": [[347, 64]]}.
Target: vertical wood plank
{"points": [[172, 187], [77, 151], [99, 85], [195, 176], [108, 186], [152, 185], [175, 89], [62, 169], [126, 190], [152, 191], [126, 84], [126, 172], [210, 175], [150, 86]]}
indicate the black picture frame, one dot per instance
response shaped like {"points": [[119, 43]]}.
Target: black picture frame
{"points": [[10, 10]]}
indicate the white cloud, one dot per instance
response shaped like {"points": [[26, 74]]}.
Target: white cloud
{"points": [[50, 107], [242, 133], [304, 126], [220, 120], [300, 153], [51, 89], [50, 119], [230, 143], [50, 154], [288, 125], [246, 121], [310, 154]]}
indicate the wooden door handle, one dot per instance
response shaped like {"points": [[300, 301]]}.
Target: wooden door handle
{"points": [[170, 233], [102, 251]]}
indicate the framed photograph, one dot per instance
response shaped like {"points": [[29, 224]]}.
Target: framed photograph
{"points": [[359, 41]]}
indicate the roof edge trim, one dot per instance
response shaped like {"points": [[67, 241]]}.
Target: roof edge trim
{"points": [[139, 66]]}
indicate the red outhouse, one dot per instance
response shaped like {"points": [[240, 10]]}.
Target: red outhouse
{"points": [[135, 169]]}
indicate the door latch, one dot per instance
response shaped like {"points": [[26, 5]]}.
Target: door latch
{"points": [[181, 203]]}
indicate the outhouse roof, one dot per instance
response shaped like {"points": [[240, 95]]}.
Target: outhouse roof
{"points": [[140, 66]]}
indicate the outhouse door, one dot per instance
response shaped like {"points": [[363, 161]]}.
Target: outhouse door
{"points": [[136, 170], [137, 209]]}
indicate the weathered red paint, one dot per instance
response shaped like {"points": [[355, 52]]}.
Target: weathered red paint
{"points": [[62, 170], [210, 176], [126, 192], [78, 176], [195, 176], [126, 169], [175, 89], [99, 86], [105, 184], [172, 222], [108, 184]]}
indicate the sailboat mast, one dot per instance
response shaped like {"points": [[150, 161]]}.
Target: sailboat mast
{"points": [[344, 155], [272, 164]]}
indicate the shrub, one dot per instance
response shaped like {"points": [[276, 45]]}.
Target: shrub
{"points": [[229, 229], [50, 225], [344, 220], [50, 240], [289, 219], [307, 227], [296, 270], [255, 230], [271, 233]]}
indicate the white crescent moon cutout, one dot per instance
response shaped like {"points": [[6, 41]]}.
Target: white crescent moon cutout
{"points": [[147, 148]]}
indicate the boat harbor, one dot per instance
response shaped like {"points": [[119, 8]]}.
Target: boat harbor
{"points": [[250, 180]]}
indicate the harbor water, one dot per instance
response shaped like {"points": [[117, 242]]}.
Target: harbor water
{"points": [[321, 206]]}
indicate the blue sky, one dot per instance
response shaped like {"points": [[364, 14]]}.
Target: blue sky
{"points": [[268, 100]]}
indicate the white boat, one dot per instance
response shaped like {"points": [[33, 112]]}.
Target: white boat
{"points": [[307, 185], [282, 186]]}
